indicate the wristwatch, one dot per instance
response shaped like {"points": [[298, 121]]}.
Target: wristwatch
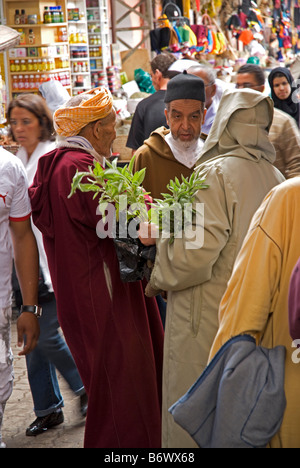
{"points": [[34, 309]]}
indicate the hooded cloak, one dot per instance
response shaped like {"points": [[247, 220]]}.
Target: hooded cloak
{"points": [[240, 128], [239, 173]]}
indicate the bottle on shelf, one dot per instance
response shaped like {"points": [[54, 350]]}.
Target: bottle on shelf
{"points": [[23, 18], [31, 37], [62, 35], [32, 85], [23, 66], [47, 15], [22, 37], [44, 65], [26, 83], [79, 38], [30, 65], [61, 14], [72, 36], [15, 84], [17, 17], [55, 17], [37, 81], [17, 66], [20, 83]]}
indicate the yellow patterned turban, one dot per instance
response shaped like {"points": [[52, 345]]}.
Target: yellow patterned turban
{"points": [[68, 121]]}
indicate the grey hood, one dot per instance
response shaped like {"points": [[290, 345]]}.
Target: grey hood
{"points": [[241, 127]]}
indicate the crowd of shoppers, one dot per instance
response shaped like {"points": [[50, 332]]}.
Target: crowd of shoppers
{"points": [[241, 278]]}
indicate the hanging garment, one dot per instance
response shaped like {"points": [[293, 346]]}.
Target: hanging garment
{"points": [[200, 32], [160, 38]]}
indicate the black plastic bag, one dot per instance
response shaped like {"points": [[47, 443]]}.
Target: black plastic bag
{"points": [[135, 259]]}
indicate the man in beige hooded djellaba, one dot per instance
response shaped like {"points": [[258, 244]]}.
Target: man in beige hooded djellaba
{"points": [[237, 165]]}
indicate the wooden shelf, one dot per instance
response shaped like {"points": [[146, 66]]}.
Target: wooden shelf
{"points": [[20, 46], [38, 25], [41, 72], [45, 36]]}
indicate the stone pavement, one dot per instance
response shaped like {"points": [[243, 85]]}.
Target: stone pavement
{"points": [[19, 413]]}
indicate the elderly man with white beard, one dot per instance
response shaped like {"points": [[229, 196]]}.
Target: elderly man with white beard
{"points": [[170, 153]]}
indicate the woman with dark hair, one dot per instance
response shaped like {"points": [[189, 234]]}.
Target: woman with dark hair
{"points": [[32, 127], [284, 92]]}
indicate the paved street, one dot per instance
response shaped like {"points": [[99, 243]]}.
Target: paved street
{"points": [[19, 414]]}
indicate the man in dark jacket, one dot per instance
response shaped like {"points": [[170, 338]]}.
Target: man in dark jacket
{"points": [[150, 112]]}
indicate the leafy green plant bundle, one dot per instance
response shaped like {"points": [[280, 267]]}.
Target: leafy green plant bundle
{"points": [[111, 184], [174, 211], [119, 186]]}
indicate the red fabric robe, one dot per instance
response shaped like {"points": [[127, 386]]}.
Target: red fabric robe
{"points": [[114, 332]]}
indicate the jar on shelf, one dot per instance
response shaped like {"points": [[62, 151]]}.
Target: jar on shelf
{"points": [[32, 19], [17, 66], [12, 66]]}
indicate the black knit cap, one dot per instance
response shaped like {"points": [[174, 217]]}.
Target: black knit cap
{"points": [[185, 86]]}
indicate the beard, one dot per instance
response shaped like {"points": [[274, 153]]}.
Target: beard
{"points": [[185, 145]]}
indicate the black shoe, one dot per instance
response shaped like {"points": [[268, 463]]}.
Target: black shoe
{"points": [[83, 404], [41, 425]]}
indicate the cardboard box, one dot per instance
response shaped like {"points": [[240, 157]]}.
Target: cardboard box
{"points": [[21, 52], [32, 52]]}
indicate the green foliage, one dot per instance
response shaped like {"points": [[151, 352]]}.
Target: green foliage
{"points": [[118, 185], [115, 185], [174, 211]]}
